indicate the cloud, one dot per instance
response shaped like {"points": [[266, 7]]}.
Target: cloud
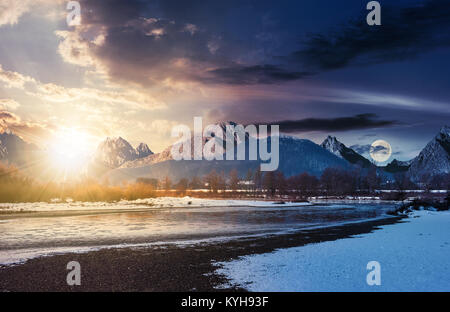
{"points": [[257, 74], [362, 121], [149, 43], [134, 98], [7, 117], [361, 149], [35, 132], [76, 50], [405, 33], [8, 104], [379, 149], [12, 10], [13, 79]]}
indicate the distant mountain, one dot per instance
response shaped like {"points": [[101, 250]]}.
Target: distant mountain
{"points": [[14, 150], [3, 151], [332, 145], [434, 159], [150, 159], [166, 154], [398, 166], [143, 150], [113, 152], [296, 156]]}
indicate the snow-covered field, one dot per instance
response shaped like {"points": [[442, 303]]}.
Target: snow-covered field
{"points": [[158, 202], [414, 256]]}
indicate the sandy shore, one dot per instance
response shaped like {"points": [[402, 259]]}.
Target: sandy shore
{"points": [[161, 268]]}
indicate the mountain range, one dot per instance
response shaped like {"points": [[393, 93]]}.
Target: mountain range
{"points": [[117, 160], [339, 149], [14, 150], [113, 152]]}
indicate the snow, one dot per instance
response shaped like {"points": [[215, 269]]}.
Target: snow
{"points": [[434, 158], [413, 256], [148, 203], [334, 146]]}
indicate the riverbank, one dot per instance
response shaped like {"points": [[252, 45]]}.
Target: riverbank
{"points": [[412, 255], [163, 267]]}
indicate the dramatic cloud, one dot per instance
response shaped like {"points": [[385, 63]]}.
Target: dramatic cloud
{"points": [[362, 121], [405, 33], [241, 60], [258, 74], [150, 43]]}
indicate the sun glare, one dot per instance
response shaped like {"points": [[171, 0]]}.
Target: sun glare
{"points": [[69, 149]]}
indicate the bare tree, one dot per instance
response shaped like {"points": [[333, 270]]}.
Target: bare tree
{"points": [[195, 183], [280, 183], [234, 180], [167, 184], [329, 180], [372, 179], [269, 183], [212, 180], [182, 185], [257, 179]]}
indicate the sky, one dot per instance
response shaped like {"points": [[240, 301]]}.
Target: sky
{"points": [[137, 68]]}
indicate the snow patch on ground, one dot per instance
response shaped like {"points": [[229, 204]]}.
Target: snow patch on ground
{"points": [[414, 256]]}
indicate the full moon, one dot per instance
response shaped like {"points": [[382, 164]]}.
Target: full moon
{"points": [[380, 150]]}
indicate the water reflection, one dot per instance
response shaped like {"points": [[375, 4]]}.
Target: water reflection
{"points": [[173, 223]]}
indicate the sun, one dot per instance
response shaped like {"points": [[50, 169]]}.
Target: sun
{"points": [[69, 149]]}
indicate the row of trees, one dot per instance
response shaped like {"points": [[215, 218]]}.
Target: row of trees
{"points": [[17, 187], [333, 181]]}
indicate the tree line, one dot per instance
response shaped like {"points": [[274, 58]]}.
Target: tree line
{"points": [[16, 187], [332, 182]]}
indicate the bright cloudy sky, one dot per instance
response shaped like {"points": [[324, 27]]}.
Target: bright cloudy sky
{"points": [[136, 68]]}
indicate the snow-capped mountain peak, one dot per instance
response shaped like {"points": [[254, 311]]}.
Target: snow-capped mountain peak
{"points": [[14, 149], [445, 130], [434, 159], [334, 146], [3, 151], [115, 151], [143, 150]]}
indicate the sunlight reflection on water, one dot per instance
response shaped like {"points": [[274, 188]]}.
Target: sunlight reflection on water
{"points": [[173, 223]]}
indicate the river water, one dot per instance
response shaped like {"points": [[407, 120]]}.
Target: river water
{"points": [[29, 235]]}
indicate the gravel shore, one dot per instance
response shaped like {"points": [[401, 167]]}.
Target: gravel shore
{"points": [[161, 268]]}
